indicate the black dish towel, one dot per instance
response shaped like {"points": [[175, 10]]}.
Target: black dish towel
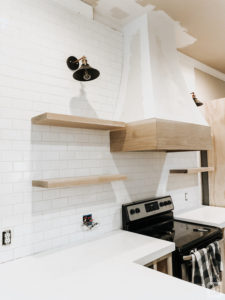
{"points": [[207, 266]]}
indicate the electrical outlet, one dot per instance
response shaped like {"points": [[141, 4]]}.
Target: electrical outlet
{"points": [[6, 237], [87, 220]]}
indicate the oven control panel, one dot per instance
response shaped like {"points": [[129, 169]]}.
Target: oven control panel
{"points": [[146, 208]]}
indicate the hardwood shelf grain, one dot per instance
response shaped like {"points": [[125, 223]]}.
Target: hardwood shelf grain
{"points": [[76, 122], [191, 170], [161, 135], [76, 181]]}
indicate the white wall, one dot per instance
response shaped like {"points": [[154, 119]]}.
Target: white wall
{"points": [[189, 64], [77, 6], [36, 38]]}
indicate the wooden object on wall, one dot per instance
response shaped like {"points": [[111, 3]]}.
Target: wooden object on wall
{"points": [[191, 170], [215, 114], [76, 181], [76, 122], [162, 135]]}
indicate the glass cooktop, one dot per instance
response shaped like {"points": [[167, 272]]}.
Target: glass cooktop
{"points": [[184, 235]]}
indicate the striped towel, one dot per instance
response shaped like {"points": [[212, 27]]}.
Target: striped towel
{"points": [[207, 266]]}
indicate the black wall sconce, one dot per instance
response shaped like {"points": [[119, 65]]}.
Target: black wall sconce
{"points": [[85, 72], [197, 102]]}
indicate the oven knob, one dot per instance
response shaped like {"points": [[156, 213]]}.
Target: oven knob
{"points": [[137, 210], [132, 211], [165, 203], [161, 204]]}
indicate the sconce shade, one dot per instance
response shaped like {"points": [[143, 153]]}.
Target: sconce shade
{"points": [[198, 102], [86, 73]]}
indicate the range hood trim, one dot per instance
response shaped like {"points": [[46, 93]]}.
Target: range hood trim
{"points": [[161, 135]]}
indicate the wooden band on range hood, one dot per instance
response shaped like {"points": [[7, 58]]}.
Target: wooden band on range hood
{"points": [[161, 135]]}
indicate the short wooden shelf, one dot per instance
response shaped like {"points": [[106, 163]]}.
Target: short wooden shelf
{"points": [[76, 181], [191, 170], [76, 122]]}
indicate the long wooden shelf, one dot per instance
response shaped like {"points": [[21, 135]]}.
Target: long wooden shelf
{"points": [[191, 170], [76, 181], [76, 122]]}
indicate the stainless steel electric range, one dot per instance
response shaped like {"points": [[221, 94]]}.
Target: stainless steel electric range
{"points": [[154, 217]]}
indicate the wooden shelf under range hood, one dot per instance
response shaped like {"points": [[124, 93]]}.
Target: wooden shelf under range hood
{"points": [[76, 181], [76, 122], [161, 135], [192, 170]]}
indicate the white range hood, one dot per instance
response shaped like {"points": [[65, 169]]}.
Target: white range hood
{"points": [[152, 84], [154, 99]]}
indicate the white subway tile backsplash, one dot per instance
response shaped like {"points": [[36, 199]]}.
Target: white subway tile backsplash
{"points": [[36, 40], [6, 166]]}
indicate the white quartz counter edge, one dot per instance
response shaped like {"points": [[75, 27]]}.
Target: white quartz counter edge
{"points": [[106, 269], [206, 215]]}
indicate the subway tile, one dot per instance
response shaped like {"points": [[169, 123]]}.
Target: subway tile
{"points": [[43, 219]]}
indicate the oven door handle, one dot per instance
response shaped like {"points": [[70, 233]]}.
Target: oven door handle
{"points": [[189, 257]]}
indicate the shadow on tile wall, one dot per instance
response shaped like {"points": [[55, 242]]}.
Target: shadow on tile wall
{"points": [[79, 106], [144, 171]]}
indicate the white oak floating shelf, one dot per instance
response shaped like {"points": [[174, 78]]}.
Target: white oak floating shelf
{"points": [[76, 181], [192, 170], [76, 122]]}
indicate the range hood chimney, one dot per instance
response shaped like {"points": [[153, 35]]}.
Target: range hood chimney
{"points": [[153, 90]]}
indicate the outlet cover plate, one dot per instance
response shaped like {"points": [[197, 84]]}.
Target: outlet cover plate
{"points": [[87, 219], [6, 237]]}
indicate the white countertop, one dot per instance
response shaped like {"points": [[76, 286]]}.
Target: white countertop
{"points": [[106, 269], [206, 215]]}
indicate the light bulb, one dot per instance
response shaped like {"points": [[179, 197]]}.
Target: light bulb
{"points": [[86, 76]]}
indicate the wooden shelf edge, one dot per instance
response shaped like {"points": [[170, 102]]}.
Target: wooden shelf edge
{"points": [[76, 181], [191, 170], [71, 121]]}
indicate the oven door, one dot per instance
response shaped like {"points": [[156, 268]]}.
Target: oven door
{"points": [[182, 267]]}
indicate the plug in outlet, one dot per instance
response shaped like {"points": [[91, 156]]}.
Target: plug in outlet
{"points": [[186, 196], [6, 237], [89, 222]]}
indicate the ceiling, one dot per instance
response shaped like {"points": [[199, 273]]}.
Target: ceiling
{"points": [[203, 19]]}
